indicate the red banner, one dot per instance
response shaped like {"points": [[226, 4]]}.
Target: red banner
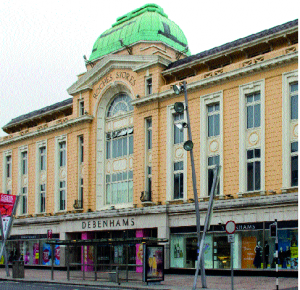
{"points": [[7, 202]]}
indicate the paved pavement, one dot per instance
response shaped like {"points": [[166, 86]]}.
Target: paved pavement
{"points": [[171, 282]]}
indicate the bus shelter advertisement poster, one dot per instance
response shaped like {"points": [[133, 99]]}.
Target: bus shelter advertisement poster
{"points": [[154, 263]]}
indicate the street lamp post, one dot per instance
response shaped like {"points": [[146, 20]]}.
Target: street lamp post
{"points": [[188, 145]]}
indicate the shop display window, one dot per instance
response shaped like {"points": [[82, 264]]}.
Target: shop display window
{"points": [[287, 249]]}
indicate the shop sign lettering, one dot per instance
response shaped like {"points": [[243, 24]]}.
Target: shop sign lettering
{"points": [[245, 227], [113, 223], [109, 78]]}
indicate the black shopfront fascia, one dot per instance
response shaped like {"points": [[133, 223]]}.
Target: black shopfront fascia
{"points": [[31, 237], [239, 227]]}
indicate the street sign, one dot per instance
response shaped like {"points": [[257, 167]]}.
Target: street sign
{"points": [[230, 227], [231, 238]]}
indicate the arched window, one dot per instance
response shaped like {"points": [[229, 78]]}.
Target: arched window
{"points": [[119, 150]]}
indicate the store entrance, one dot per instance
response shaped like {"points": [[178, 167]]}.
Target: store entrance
{"points": [[221, 252]]}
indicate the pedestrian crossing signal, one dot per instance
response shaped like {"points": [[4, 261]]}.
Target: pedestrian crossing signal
{"points": [[273, 230]]}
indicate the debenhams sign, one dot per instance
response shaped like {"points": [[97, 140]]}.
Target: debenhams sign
{"points": [[108, 223]]}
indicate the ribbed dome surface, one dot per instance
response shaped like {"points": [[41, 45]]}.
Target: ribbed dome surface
{"points": [[148, 23]]}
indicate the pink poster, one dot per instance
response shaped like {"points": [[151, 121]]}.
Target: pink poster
{"points": [[36, 254]]}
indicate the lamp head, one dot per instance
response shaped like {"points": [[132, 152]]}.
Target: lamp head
{"points": [[188, 145], [176, 89], [179, 107]]}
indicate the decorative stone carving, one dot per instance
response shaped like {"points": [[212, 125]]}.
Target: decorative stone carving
{"points": [[253, 138], [213, 145]]}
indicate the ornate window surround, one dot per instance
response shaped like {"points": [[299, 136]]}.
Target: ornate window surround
{"points": [[22, 179], [170, 158], [287, 134], [244, 133], [60, 174], [100, 111], [206, 100], [6, 180]]}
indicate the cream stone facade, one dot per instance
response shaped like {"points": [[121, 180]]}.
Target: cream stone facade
{"points": [[110, 161]]}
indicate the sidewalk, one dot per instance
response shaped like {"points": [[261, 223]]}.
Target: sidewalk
{"points": [[171, 282]]}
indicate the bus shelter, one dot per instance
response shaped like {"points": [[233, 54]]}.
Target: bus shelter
{"points": [[91, 265]]}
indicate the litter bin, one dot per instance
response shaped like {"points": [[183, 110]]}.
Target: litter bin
{"points": [[18, 269]]}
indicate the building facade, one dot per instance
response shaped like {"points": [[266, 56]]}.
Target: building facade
{"points": [[109, 161]]}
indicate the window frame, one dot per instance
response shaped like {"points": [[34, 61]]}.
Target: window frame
{"points": [[207, 141], [244, 133], [288, 127]]}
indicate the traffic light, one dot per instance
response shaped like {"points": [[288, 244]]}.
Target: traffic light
{"points": [[273, 230]]}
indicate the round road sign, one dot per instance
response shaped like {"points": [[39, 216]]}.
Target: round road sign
{"points": [[230, 227]]}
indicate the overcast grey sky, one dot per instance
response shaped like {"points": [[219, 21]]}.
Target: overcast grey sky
{"points": [[43, 42]]}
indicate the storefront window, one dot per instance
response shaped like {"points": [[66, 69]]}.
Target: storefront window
{"points": [[253, 248]]}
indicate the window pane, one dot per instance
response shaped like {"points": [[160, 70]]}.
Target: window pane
{"points": [[250, 186], [114, 193], [294, 171], [294, 147], [257, 153], [210, 177], [256, 97], [125, 146], [210, 126], [177, 133], [130, 191], [249, 99], [149, 139], [250, 117], [257, 175], [130, 145], [257, 115], [217, 125], [178, 166], [107, 149], [294, 87], [115, 148], [250, 154], [178, 185], [294, 107], [108, 194]]}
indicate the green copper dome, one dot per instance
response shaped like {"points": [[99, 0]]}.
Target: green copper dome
{"points": [[148, 23]]}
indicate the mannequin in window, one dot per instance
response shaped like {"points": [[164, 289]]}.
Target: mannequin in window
{"points": [[257, 258], [267, 249], [281, 256]]}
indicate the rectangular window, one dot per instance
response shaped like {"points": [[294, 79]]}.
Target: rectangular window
{"points": [[253, 110], [213, 116], [24, 200], [294, 164], [212, 162], [24, 162], [42, 198], [178, 180], [253, 169], [42, 158], [8, 166], [62, 195], [294, 100], [149, 181], [62, 154], [81, 108], [81, 149], [178, 131], [81, 191], [149, 86], [149, 133]]}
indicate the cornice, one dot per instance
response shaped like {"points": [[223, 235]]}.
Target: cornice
{"points": [[241, 47], [73, 122], [289, 199], [254, 68], [135, 63]]}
